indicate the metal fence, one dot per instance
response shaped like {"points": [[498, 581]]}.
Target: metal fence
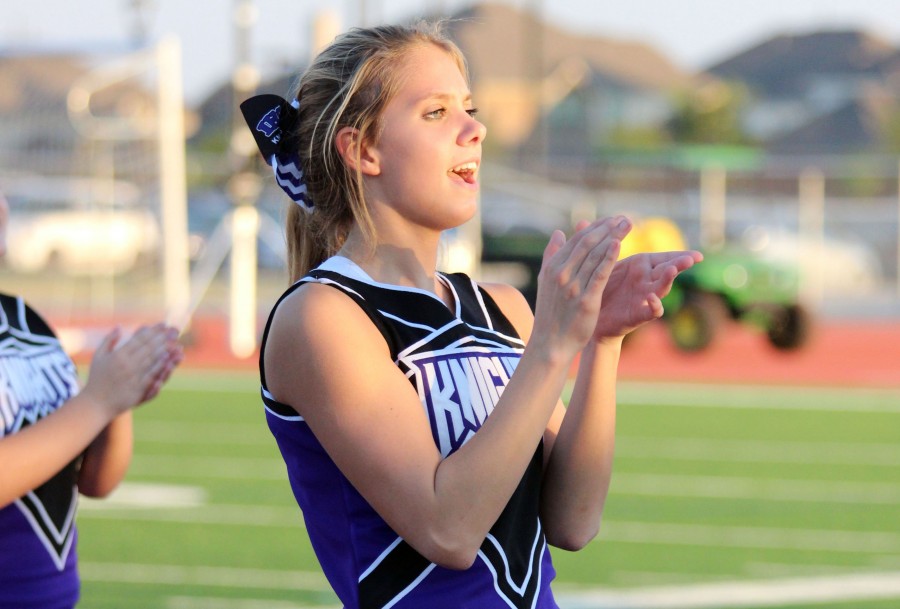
{"points": [[841, 229]]}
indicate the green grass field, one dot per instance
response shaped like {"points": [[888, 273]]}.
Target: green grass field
{"points": [[721, 497]]}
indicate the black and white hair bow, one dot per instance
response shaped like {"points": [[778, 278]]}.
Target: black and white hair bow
{"points": [[270, 118]]}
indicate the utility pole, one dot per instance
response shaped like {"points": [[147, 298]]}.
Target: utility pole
{"points": [[362, 13], [534, 38], [139, 14]]}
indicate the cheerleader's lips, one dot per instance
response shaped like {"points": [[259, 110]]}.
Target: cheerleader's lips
{"points": [[468, 172]]}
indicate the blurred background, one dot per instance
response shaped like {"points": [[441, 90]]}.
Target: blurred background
{"points": [[768, 137], [766, 134]]}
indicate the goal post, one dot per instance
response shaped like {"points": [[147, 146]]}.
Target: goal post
{"points": [[102, 119], [173, 182]]}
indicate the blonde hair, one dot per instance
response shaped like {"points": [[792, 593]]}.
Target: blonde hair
{"points": [[348, 84]]}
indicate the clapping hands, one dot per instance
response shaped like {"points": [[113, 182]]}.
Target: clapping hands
{"points": [[636, 286], [581, 284], [128, 372]]}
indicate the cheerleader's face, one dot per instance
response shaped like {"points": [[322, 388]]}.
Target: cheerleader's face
{"points": [[428, 153]]}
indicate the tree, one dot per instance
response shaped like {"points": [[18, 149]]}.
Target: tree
{"points": [[710, 114]]}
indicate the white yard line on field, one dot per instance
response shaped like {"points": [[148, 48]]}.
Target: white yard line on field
{"points": [[756, 489], [653, 533], [204, 432], [878, 543], [232, 381], [223, 577], [219, 515], [779, 592], [774, 538], [228, 468], [849, 399], [759, 451], [833, 588], [143, 501], [144, 495], [859, 400], [749, 487], [210, 602]]}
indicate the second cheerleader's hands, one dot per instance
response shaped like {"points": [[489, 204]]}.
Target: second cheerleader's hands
{"points": [[126, 372], [96, 422]]}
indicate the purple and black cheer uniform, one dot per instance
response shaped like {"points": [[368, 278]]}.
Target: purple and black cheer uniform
{"points": [[459, 362], [37, 531]]}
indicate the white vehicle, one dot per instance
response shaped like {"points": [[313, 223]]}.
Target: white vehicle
{"points": [[79, 227]]}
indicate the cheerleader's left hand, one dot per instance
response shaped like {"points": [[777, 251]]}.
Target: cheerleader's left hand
{"points": [[638, 283]]}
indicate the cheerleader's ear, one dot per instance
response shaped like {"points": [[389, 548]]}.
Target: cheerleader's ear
{"points": [[357, 155]]}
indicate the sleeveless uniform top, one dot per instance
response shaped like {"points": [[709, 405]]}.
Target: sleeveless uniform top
{"points": [[37, 531], [459, 362]]}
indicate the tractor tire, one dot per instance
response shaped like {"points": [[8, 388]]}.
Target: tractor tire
{"points": [[789, 328], [693, 326]]}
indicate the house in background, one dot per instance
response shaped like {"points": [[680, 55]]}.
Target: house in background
{"points": [[585, 86], [545, 90], [820, 92], [33, 117], [530, 79], [44, 130], [865, 125]]}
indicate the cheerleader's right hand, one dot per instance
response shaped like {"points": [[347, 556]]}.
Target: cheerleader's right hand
{"points": [[573, 276]]}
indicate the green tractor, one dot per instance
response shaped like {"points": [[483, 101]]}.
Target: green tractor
{"points": [[728, 286], [734, 285]]}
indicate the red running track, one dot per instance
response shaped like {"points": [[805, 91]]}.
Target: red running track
{"points": [[839, 353], [864, 354]]}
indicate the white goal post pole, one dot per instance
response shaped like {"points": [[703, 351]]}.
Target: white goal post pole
{"points": [[242, 321], [173, 183]]}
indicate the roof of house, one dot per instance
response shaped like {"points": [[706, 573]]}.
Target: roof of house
{"points": [[854, 127], [782, 66], [25, 77], [504, 42]]}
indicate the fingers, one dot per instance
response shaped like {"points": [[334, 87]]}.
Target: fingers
{"points": [[591, 241], [159, 379], [173, 358], [127, 372], [668, 266], [557, 240], [599, 264], [582, 224], [110, 341], [581, 266], [687, 259], [573, 276], [151, 353], [682, 259], [655, 305], [151, 340], [598, 249]]}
